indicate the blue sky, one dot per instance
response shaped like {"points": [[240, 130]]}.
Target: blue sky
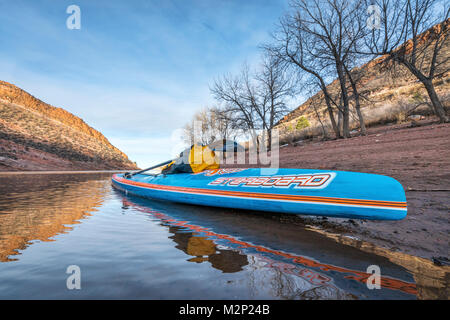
{"points": [[136, 70]]}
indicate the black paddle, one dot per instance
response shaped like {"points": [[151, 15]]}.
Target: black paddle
{"points": [[128, 175]]}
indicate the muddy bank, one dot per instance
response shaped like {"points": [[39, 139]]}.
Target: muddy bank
{"points": [[418, 157]]}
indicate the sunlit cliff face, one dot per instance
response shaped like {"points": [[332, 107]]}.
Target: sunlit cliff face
{"points": [[37, 136]]}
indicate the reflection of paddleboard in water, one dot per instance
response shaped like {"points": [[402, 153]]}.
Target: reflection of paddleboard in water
{"points": [[228, 260], [298, 191], [203, 249], [312, 272]]}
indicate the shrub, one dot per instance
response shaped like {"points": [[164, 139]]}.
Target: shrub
{"points": [[302, 123], [289, 127], [416, 97]]}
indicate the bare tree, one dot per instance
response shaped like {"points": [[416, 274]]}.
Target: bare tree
{"points": [[207, 126], [355, 77], [223, 124], [412, 33], [319, 37], [273, 88], [294, 46], [336, 28], [233, 93], [313, 104], [255, 101]]}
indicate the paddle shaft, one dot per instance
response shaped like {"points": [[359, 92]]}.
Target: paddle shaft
{"points": [[129, 175]]}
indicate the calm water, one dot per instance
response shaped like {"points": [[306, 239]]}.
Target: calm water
{"points": [[128, 247]]}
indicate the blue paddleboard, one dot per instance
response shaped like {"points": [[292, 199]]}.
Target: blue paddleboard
{"points": [[296, 191]]}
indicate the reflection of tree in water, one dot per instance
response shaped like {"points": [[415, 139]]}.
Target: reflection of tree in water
{"points": [[287, 281], [324, 292], [203, 249]]}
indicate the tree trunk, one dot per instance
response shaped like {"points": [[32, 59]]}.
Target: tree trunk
{"points": [[346, 111], [331, 114], [324, 131], [438, 108], [357, 103], [358, 111], [361, 119], [329, 107], [437, 105]]}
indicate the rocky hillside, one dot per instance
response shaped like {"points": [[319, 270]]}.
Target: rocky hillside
{"points": [[390, 93], [37, 136]]}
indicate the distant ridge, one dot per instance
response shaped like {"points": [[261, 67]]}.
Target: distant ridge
{"points": [[37, 136]]}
